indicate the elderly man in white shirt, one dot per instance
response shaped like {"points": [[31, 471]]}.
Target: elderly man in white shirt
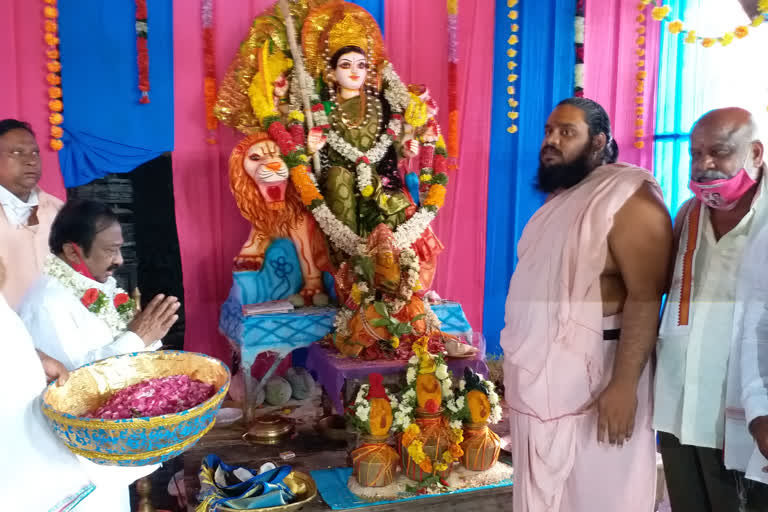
{"points": [[26, 212], [704, 440], [77, 314]]}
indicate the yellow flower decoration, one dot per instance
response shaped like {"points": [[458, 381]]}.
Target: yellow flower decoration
{"points": [[395, 341], [659, 13], [416, 113], [440, 467], [762, 5], [447, 457], [425, 177], [262, 88], [512, 39], [691, 37], [675, 27], [296, 115], [367, 191], [757, 21], [727, 39]]}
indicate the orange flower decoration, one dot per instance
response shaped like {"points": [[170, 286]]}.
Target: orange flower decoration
{"points": [[52, 54], [426, 465], [639, 111], [640, 40], [639, 144], [51, 26], [639, 100], [436, 196], [659, 13], [641, 75], [741, 32], [51, 39], [53, 79], [50, 12], [54, 92], [50, 2], [639, 133], [57, 132], [638, 122], [55, 118], [56, 105], [56, 144], [640, 52], [54, 66], [708, 42], [303, 183]]}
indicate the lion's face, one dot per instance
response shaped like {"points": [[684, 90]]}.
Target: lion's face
{"points": [[263, 163]]}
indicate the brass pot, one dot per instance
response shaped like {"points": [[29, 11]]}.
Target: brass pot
{"points": [[481, 447], [374, 462]]}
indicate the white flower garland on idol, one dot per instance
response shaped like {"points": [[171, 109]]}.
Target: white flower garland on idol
{"points": [[78, 284]]}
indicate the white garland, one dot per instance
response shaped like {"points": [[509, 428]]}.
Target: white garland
{"points": [[361, 407], [396, 92], [408, 400], [373, 155], [79, 284]]}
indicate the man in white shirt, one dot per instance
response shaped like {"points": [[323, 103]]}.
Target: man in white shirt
{"points": [[75, 311], [76, 314], [26, 212], [702, 427]]}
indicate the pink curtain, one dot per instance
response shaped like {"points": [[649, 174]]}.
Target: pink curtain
{"points": [[417, 41], [610, 71], [23, 90], [209, 225]]}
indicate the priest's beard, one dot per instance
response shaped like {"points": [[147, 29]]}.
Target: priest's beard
{"points": [[565, 175]]}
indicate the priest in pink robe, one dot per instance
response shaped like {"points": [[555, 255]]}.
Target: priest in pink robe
{"points": [[26, 212], [581, 320]]}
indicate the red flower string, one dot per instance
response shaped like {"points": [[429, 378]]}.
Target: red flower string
{"points": [[142, 49]]}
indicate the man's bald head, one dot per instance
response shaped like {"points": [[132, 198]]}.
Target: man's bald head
{"points": [[722, 142]]}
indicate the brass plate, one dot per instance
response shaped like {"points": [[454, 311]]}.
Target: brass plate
{"points": [[271, 429]]}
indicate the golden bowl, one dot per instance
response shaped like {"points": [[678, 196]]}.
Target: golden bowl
{"points": [[134, 441], [302, 486]]}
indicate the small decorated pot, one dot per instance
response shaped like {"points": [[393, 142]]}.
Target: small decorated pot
{"points": [[434, 439], [481, 447], [374, 462]]}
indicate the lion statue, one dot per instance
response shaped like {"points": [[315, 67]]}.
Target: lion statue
{"points": [[259, 180]]}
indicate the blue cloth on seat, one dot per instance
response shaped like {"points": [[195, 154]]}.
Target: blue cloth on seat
{"points": [[259, 491]]}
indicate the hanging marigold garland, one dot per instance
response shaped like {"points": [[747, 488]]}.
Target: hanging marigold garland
{"points": [[640, 78], [142, 49], [578, 35], [453, 83], [53, 77], [209, 69], [513, 40], [660, 12]]}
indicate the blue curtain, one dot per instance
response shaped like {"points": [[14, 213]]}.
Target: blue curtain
{"points": [[376, 8], [106, 130], [673, 120], [546, 60]]}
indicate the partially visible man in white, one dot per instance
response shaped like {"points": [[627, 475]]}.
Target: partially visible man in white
{"points": [[26, 212], [77, 314], [703, 436], [39, 473]]}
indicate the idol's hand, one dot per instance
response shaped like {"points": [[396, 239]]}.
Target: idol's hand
{"points": [[759, 430], [154, 321], [616, 408], [316, 140], [410, 148], [53, 369]]}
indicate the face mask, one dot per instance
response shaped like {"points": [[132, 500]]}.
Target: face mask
{"points": [[723, 194]]}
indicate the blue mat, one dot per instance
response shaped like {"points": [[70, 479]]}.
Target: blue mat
{"points": [[332, 484]]}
